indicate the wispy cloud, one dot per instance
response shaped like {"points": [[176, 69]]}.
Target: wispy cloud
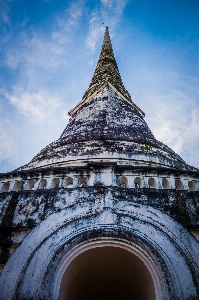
{"points": [[34, 52], [96, 30], [37, 104], [35, 55], [191, 139], [5, 11], [32, 48], [75, 13], [176, 126], [109, 13], [6, 144], [6, 135], [65, 22], [39, 120], [167, 131], [70, 17], [116, 6]]}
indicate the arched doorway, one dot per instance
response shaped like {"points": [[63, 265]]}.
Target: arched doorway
{"points": [[107, 272], [140, 255]]}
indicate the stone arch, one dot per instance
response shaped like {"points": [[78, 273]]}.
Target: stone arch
{"points": [[30, 184], [152, 182], [132, 271], [165, 183], [5, 187], [69, 182], [138, 227], [42, 184], [138, 182], [55, 183], [83, 182], [124, 181], [17, 186], [178, 184], [192, 186]]}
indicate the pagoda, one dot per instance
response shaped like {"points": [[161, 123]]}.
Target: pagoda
{"points": [[105, 212]]}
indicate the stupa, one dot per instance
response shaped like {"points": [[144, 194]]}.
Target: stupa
{"points": [[104, 212]]}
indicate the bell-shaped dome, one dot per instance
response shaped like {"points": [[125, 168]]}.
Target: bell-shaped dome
{"points": [[107, 126]]}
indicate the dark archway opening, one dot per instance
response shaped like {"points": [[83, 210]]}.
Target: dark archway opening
{"points": [[107, 273]]}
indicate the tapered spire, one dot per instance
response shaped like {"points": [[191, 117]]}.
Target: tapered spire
{"points": [[106, 74], [106, 70], [107, 36]]}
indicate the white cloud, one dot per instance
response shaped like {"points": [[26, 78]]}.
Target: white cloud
{"points": [[70, 18], [5, 11], [60, 37], [6, 144], [41, 119], [65, 24], [38, 57], [107, 2], [75, 13], [176, 125], [109, 14], [31, 48], [7, 131], [168, 132], [35, 51], [95, 31], [191, 139], [37, 104], [116, 6]]}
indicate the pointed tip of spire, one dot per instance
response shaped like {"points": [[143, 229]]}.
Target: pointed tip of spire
{"points": [[106, 71], [106, 35]]}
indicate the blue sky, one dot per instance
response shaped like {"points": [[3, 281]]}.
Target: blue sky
{"points": [[48, 53]]}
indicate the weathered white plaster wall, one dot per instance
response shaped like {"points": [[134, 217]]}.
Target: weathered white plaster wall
{"points": [[30, 262]]}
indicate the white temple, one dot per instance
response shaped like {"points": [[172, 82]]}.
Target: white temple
{"points": [[106, 212]]}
